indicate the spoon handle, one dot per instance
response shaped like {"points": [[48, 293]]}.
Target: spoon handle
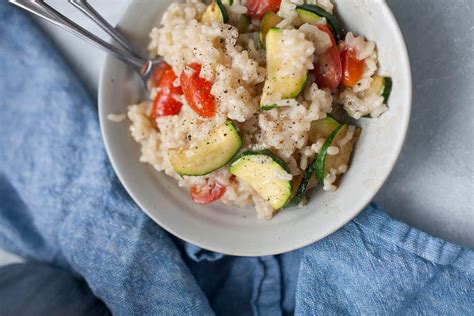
{"points": [[41, 9], [92, 14]]}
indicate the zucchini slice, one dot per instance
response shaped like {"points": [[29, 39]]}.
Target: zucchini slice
{"points": [[322, 128], [380, 86], [216, 11], [288, 87], [320, 161], [266, 173], [319, 129], [207, 155], [269, 20], [307, 16], [312, 14], [325, 162], [243, 24], [307, 181]]}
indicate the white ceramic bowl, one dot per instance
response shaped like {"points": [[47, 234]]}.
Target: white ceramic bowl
{"points": [[237, 231]]}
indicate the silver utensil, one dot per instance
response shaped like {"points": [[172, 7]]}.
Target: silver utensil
{"points": [[93, 15], [143, 66]]}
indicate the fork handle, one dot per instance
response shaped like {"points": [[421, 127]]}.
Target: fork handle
{"points": [[41, 9], [92, 14]]}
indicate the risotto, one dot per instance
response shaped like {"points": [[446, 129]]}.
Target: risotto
{"points": [[248, 107]]}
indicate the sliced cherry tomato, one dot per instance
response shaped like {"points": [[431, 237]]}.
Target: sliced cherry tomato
{"points": [[165, 103], [258, 8], [197, 91], [158, 74], [352, 68], [207, 195], [328, 70]]}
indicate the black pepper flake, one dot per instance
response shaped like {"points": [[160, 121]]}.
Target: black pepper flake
{"points": [[189, 137]]}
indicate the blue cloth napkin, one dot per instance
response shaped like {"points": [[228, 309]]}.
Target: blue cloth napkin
{"points": [[61, 203]]}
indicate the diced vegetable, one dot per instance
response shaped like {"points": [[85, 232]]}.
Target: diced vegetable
{"points": [[207, 155], [295, 184], [216, 11], [312, 14], [345, 150], [258, 8], [325, 162], [157, 74], [165, 102], [265, 173], [287, 87], [243, 24], [319, 129], [269, 20], [197, 91], [207, 194], [307, 16], [352, 68], [307, 181], [322, 128], [321, 158], [328, 69], [380, 86]]}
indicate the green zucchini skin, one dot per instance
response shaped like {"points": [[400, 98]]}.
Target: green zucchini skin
{"points": [[216, 11], [332, 21], [223, 9], [387, 89], [264, 152], [325, 128], [320, 159], [301, 192]]}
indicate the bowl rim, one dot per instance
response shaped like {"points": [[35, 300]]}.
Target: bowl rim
{"points": [[295, 245]]}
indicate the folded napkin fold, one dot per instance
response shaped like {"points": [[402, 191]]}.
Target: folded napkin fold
{"points": [[61, 203]]}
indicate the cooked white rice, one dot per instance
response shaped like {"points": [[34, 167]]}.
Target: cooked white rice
{"points": [[236, 66], [117, 118]]}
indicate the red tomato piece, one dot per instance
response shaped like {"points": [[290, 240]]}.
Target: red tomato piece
{"points": [[158, 74], [352, 68], [165, 103], [207, 195], [328, 69], [197, 91], [258, 8]]}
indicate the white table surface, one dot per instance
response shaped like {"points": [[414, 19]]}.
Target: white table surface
{"points": [[432, 186]]}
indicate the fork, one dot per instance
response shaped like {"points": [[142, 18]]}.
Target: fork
{"points": [[143, 66]]}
